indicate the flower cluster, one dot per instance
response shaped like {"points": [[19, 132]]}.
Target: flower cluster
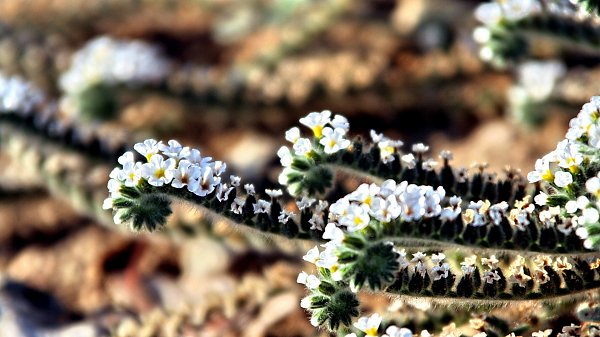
{"points": [[111, 61], [18, 96], [563, 170], [167, 164], [495, 15], [329, 137], [386, 203]]}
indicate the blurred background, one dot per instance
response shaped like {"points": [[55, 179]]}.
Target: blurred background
{"points": [[229, 77]]}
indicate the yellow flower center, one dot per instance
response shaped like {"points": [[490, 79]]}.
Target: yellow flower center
{"points": [[371, 331], [548, 176], [159, 173], [332, 143], [318, 131]]}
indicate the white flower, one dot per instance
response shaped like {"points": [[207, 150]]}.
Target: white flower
{"points": [[155, 170], [262, 206], [571, 206], [238, 205], [491, 276], [541, 333], [420, 148], [284, 216], [174, 150], [369, 325], [364, 194], [218, 167], [394, 331], [195, 157], [542, 170], [206, 182], [327, 259], [541, 199], [316, 121], [292, 135], [491, 263], [590, 215], [312, 255], [489, 13], [285, 156], [234, 180], [563, 179], [333, 140], [223, 191], [356, 218], [340, 122], [316, 221], [593, 186], [438, 258], [309, 280], [440, 271], [183, 174], [418, 257], [274, 193], [302, 147], [333, 233], [517, 9], [148, 148], [249, 189], [409, 161], [131, 174], [386, 210], [305, 203], [107, 203]]}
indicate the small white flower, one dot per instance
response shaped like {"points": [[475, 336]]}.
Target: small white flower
{"points": [[284, 216], [420, 148], [340, 122], [489, 13], [155, 171], [563, 179], [356, 218], [369, 325], [285, 156], [262, 206], [309, 280], [333, 140], [541, 199], [316, 121], [590, 215], [409, 161], [183, 174], [302, 147], [438, 258], [305, 203], [249, 189], [234, 180], [394, 331], [491, 262], [206, 182], [312, 255], [418, 257], [195, 157], [333, 233], [440, 271], [292, 135], [223, 191], [593, 186], [174, 150], [238, 205], [571, 206], [148, 148], [274, 193], [541, 333], [491, 276]]}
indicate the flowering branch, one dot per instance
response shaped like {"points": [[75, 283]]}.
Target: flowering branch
{"points": [[510, 26]]}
